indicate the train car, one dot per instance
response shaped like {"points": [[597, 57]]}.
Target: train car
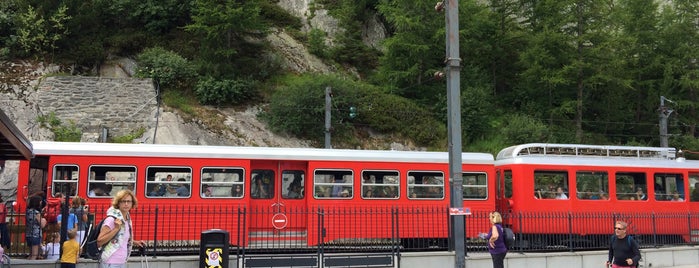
{"points": [[275, 189], [590, 186]]}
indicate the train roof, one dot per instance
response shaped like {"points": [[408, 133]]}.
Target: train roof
{"points": [[593, 155], [261, 153]]}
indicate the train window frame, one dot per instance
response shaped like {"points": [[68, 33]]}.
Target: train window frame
{"points": [[106, 183], [670, 184], [550, 193], [629, 191], [475, 182], [694, 186], [422, 188], [290, 179], [157, 176], [379, 181], [321, 183], [267, 178], [60, 171], [215, 180], [507, 183], [598, 179]]}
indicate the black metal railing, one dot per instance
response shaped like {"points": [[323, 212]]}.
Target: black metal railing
{"points": [[175, 229]]}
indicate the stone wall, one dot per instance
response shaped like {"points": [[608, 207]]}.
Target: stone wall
{"points": [[122, 105]]}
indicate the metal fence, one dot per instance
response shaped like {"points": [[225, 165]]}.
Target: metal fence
{"points": [[175, 229]]}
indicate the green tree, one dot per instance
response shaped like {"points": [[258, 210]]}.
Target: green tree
{"points": [[680, 33], [413, 51], [38, 35], [566, 58], [223, 28]]}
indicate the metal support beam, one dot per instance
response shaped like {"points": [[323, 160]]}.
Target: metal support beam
{"points": [[453, 69]]}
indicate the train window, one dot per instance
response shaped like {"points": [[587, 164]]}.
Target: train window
{"points": [[631, 186], [65, 180], [592, 185], [380, 184], [508, 183], [694, 186], [669, 187], [262, 185], [551, 184], [333, 184], [292, 181], [106, 181], [220, 182], [475, 186], [169, 182], [426, 184]]}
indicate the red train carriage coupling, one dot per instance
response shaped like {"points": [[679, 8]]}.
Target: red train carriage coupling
{"points": [[589, 186], [268, 193]]}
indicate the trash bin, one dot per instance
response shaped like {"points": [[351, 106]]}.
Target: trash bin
{"points": [[213, 249]]}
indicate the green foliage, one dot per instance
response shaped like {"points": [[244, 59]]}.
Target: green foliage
{"points": [[298, 108], [129, 137], [169, 68], [227, 91], [38, 35], [278, 16], [180, 101], [316, 43], [520, 129], [223, 28], [70, 132]]}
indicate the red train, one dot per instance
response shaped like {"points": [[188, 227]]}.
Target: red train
{"points": [[594, 181], [277, 181], [530, 178]]}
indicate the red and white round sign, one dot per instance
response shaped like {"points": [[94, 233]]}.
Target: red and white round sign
{"points": [[279, 221]]}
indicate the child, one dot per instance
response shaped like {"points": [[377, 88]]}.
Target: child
{"points": [[52, 250], [71, 250]]}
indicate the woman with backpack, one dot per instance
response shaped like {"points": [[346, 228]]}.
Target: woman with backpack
{"points": [[496, 240], [116, 235]]}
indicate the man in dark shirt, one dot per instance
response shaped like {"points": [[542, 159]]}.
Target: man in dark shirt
{"points": [[623, 250]]}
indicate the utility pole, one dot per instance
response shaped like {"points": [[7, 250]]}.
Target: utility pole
{"points": [[328, 104], [453, 69], [664, 114]]}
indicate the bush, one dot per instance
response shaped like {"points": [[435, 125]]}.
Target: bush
{"points": [[299, 109], [61, 132], [521, 129], [212, 91], [166, 66]]}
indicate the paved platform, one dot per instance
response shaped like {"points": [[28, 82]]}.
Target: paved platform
{"points": [[671, 257]]}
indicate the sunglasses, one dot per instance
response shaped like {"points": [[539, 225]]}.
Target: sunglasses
{"points": [[617, 228]]}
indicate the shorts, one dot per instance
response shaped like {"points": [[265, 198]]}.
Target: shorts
{"points": [[33, 241]]}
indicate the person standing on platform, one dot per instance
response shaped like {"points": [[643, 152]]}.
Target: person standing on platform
{"points": [[71, 250], [116, 235], [623, 249], [496, 240]]}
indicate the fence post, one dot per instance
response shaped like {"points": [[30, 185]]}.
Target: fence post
{"points": [[155, 231], [519, 220], [321, 236], [570, 231], [689, 228], [655, 233], [242, 237]]}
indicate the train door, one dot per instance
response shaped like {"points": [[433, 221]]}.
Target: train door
{"points": [[277, 195]]}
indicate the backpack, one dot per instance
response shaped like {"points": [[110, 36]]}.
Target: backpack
{"points": [[509, 237], [90, 248], [53, 208]]}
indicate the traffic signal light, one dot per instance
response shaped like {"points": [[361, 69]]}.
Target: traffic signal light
{"points": [[352, 112]]}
